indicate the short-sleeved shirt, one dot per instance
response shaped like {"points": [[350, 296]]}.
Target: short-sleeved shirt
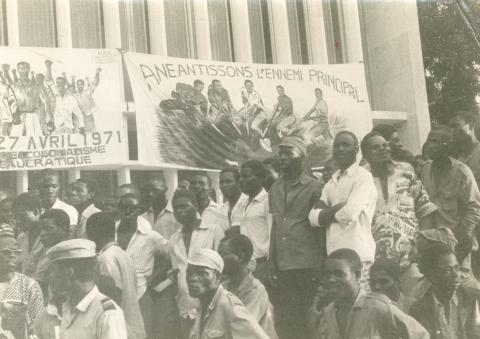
{"points": [[226, 317], [117, 264], [255, 222], [294, 244], [395, 222], [254, 296], [143, 247], [202, 237], [456, 196], [94, 317]]}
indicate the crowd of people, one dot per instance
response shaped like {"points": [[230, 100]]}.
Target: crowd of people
{"points": [[382, 247]]}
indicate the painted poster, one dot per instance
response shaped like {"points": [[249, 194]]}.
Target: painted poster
{"points": [[60, 108], [206, 114]]}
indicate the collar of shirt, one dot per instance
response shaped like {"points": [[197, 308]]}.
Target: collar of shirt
{"points": [[349, 171], [262, 195], [245, 284], [151, 216], [87, 300], [143, 226], [107, 246], [438, 304], [53, 311], [213, 303], [89, 211]]}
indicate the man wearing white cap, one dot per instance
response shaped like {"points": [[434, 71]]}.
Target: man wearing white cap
{"points": [[221, 313], [86, 313]]}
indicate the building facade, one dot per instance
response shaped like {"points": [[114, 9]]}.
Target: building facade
{"points": [[384, 36]]}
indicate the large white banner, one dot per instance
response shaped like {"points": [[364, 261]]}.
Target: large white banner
{"points": [[60, 108], [207, 114]]}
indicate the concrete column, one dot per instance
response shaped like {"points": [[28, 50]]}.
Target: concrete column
{"points": [[13, 30], [352, 31], [315, 25], [202, 29], [279, 30], [123, 176], [156, 25], [242, 44], [73, 174], [22, 181], [64, 23], [171, 179]]}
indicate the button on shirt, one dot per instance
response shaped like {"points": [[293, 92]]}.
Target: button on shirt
{"points": [[144, 245], [371, 316], [352, 225], [294, 243], [202, 237], [226, 318], [81, 229], [117, 264], [94, 317], [255, 222], [69, 209], [165, 222]]}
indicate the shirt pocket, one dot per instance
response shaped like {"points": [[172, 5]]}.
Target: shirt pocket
{"points": [[215, 334]]}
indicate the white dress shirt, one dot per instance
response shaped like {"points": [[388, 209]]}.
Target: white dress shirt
{"points": [[352, 225], [255, 221], [69, 209]]}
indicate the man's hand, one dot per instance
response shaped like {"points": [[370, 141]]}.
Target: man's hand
{"points": [[82, 130], [5, 67], [48, 63], [326, 216], [99, 70]]}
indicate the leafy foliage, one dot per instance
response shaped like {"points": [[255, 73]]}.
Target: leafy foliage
{"points": [[451, 57]]}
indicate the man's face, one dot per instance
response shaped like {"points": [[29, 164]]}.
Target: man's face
{"points": [[80, 85], [378, 150], [60, 85], [438, 144], [280, 91], [228, 184], [23, 70], [395, 143], [248, 86], [318, 94], [184, 184], [123, 191], [49, 189], [462, 131], [26, 219], [218, 85], [344, 150], [184, 211], [340, 281], [382, 282], [40, 78], [9, 253], [128, 207], [232, 262], [199, 87], [201, 280], [289, 158], [270, 174], [200, 185], [79, 194], [248, 181], [156, 190], [446, 274], [50, 233]]}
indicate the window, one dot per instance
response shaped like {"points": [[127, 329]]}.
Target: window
{"points": [[260, 31], [334, 31], [89, 35], [297, 31], [36, 22], [179, 28], [220, 30], [133, 24]]}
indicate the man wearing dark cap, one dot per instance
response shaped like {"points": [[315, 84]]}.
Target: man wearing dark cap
{"points": [[221, 314], [86, 313], [294, 255]]}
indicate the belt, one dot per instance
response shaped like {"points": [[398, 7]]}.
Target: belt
{"points": [[262, 259]]}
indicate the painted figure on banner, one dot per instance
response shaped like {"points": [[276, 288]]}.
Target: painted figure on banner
{"points": [[84, 96]]}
